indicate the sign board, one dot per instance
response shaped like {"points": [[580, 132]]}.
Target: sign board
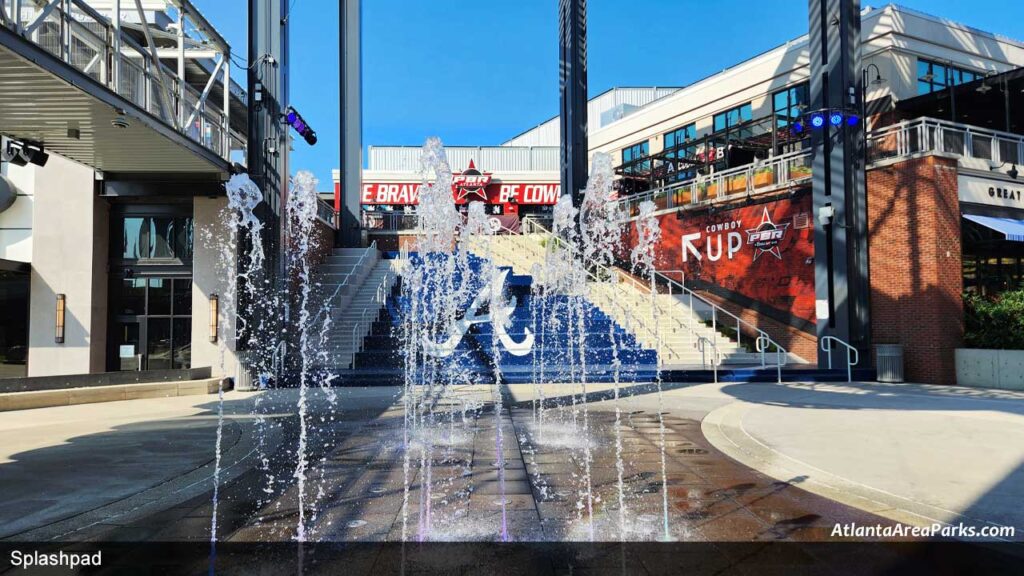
{"points": [[127, 351], [990, 191], [763, 251]]}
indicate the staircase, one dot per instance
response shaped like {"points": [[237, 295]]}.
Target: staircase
{"points": [[480, 358], [682, 335], [356, 282]]}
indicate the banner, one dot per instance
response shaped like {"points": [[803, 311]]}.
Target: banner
{"points": [[764, 252], [408, 193]]}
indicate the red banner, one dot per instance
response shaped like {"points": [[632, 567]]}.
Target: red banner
{"points": [[408, 193], [764, 252]]}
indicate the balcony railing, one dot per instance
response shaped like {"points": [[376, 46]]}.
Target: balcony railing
{"points": [[101, 48], [390, 221], [325, 213], [928, 135], [736, 183]]}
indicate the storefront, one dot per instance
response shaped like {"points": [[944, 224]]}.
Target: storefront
{"points": [[15, 287]]}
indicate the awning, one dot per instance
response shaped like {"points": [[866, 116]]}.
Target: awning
{"points": [[1012, 229]]}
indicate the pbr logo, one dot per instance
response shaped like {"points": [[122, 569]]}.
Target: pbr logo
{"points": [[767, 237], [471, 182]]}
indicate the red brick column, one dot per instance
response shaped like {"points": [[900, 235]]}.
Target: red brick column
{"points": [[915, 254]]}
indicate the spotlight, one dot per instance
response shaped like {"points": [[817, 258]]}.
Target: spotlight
{"points": [[852, 120], [836, 119], [21, 154], [295, 120], [798, 127], [818, 120], [1012, 172]]}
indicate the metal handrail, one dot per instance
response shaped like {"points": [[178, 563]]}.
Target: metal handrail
{"points": [[337, 291], [762, 336], [779, 166], [716, 359], [925, 134], [852, 354], [379, 298]]}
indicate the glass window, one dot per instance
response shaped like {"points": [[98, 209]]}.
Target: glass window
{"points": [[135, 239], [182, 343], [133, 296], [159, 296], [157, 237], [789, 104], [182, 297], [733, 117], [935, 76], [158, 343]]}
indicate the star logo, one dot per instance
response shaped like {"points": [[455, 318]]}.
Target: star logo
{"points": [[471, 184], [766, 237]]}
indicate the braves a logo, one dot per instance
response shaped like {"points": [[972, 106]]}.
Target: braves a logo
{"points": [[473, 316], [766, 237]]}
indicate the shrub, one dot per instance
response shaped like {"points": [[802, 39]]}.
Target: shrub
{"points": [[995, 323]]}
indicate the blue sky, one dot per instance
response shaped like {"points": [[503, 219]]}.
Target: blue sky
{"points": [[477, 72]]}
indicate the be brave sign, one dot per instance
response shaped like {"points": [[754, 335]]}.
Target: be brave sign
{"points": [[978, 190]]}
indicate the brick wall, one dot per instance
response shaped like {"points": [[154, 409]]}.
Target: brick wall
{"points": [[915, 255]]}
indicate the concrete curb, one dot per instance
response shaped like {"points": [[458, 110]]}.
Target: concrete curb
{"points": [[116, 393], [723, 428]]}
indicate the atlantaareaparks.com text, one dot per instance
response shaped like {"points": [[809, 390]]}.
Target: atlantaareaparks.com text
{"points": [[936, 530]]}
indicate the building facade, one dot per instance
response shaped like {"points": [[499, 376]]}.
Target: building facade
{"points": [[727, 163]]}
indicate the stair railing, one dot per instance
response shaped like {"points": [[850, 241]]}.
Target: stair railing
{"points": [[716, 354], [852, 354], [361, 329]]}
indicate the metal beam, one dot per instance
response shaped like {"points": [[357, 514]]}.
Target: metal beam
{"points": [[41, 18], [165, 111], [206, 92]]}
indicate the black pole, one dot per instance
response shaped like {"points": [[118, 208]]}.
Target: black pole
{"points": [[840, 242], [572, 19]]}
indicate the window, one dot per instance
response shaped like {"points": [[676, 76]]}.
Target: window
{"points": [[634, 158], [935, 76], [156, 238], [733, 117], [680, 144], [789, 104]]}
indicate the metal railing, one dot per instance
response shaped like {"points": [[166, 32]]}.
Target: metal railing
{"points": [[361, 328], [326, 213], [763, 341], [99, 47], [852, 355], [929, 135], [736, 183], [390, 221]]}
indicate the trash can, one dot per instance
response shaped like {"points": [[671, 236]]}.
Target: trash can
{"points": [[889, 362]]}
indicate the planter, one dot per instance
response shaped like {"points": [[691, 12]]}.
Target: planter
{"points": [[978, 368]]}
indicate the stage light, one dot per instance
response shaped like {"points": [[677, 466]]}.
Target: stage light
{"points": [[836, 119], [852, 120], [295, 120], [798, 127], [818, 120]]}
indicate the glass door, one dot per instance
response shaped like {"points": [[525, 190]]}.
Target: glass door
{"points": [[153, 323]]}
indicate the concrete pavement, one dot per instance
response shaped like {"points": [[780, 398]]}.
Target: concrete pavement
{"points": [[807, 452]]}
